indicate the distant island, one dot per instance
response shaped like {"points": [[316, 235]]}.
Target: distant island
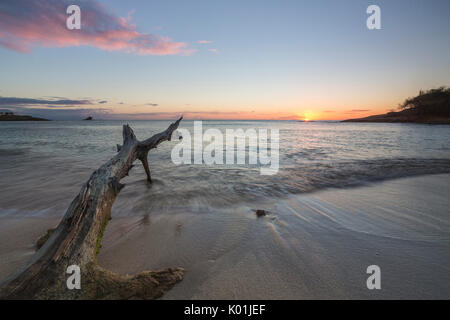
{"points": [[88, 118], [430, 107], [10, 116]]}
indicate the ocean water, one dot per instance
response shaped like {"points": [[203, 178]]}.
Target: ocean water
{"points": [[44, 164]]}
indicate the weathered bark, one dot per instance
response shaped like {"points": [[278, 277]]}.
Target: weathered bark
{"points": [[77, 239]]}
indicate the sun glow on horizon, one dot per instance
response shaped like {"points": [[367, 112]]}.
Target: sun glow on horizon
{"points": [[309, 115]]}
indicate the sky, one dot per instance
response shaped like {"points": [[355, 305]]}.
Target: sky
{"points": [[215, 59]]}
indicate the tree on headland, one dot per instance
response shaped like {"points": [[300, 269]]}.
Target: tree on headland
{"points": [[434, 102], [430, 107]]}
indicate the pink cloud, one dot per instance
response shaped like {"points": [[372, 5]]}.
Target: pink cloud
{"points": [[204, 41], [213, 50], [25, 24]]}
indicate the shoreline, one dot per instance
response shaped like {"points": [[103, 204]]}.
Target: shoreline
{"points": [[308, 246], [20, 118], [405, 116]]}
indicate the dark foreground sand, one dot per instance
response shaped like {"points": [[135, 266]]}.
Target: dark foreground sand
{"points": [[309, 246]]}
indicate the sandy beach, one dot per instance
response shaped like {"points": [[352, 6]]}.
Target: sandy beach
{"points": [[310, 246]]}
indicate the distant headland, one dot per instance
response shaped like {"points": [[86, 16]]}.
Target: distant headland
{"points": [[10, 116], [429, 107]]}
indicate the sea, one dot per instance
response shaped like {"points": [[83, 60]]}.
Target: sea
{"points": [[44, 164]]}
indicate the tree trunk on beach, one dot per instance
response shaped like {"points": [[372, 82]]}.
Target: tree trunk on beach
{"points": [[77, 239]]}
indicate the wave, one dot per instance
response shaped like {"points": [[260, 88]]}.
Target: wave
{"points": [[209, 187]]}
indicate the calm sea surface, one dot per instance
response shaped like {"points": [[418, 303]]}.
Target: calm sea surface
{"points": [[44, 164]]}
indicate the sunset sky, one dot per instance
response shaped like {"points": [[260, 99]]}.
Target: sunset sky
{"points": [[215, 59]]}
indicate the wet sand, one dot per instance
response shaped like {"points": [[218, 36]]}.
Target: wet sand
{"points": [[311, 246], [17, 241]]}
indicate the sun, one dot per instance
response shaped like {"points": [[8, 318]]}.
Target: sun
{"points": [[306, 116], [309, 115]]}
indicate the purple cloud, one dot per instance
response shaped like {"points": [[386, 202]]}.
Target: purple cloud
{"points": [[25, 24]]}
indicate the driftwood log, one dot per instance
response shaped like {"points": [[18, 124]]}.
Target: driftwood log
{"points": [[77, 239]]}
